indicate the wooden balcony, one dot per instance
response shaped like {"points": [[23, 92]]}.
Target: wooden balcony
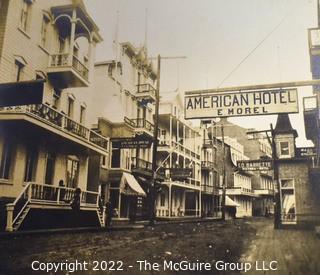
{"points": [[207, 165], [67, 71], [141, 167], [164, 145], [44, 116], [146, 93], [142, 126]]}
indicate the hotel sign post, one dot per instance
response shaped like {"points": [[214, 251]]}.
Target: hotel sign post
{"points": [[249, 103]]}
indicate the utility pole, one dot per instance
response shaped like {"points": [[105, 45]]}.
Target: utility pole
{"points": [[152, 192], [155, 147], [223, 202]]}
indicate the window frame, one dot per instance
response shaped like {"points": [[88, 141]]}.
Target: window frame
{"points": [[7, 153], [293, 221], [25, 15], [280, 148]]}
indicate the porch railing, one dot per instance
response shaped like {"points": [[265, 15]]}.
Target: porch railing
{"points": [[47, 194], [180, 148], [65, 59], [59, 120]]}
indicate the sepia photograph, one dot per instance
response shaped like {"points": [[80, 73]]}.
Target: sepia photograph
{"points": [[160, 137]]}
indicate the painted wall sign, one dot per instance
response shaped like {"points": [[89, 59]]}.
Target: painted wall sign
{"points": [[250, 103], [255, 165], [306, 152], [130, 143]]}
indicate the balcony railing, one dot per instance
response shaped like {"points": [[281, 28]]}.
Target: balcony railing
{"points": [[52, 117], [146, 89], [180, 148], [64, 60], [142, 123], [137, 163], [206, 164]]}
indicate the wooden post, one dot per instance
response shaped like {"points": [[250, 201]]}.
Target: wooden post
{"points": [[10, 208], [104, 209]]}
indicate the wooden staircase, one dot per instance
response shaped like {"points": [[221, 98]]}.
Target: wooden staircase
{"points": [[49, 197]]}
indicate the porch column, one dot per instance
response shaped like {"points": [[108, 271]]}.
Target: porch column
{"points": [[9, 226], [197, 208], [170, 200], [178, 131], [200, 202], [119, 205], [90, 57], [170, 141], [184, 145], [72, 35], [104, 210]]}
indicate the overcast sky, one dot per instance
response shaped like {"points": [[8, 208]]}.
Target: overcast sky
{"points": [[216, 35]]}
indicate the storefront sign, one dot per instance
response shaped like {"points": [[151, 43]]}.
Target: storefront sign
{"points": [[251, 103], [131, 143], [254, 165], [306, 152]]}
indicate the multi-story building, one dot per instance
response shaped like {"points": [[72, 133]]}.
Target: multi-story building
{"points": [[178, 155], [254, 148], [124, 96], [46, 49]]}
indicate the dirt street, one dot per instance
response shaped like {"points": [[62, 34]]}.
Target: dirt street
{"points": [[206, 242]]}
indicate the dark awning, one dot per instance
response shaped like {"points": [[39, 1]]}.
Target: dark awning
{"points": [[21, 93]]}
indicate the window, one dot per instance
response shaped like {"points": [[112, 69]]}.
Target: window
{"points": [[288, 201], [18, 70], [6, 160], [284, 148], [44, 31], [56, 98], [82, 114], [62, 43], [72, 171], [25, 14], [31, 164], [162, 199], [70, 107]]}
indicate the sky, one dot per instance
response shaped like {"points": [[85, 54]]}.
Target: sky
{"points": [[216, 36]]}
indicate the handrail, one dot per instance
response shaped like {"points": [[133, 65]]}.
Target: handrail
{"points": [[22, 192]]}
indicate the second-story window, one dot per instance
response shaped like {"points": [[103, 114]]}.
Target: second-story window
{"points": [[82, 114], [70, 107], [18, 70], [56, 98], [25, 14], [44, 31]]}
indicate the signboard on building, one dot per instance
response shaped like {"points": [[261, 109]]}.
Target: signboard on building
{"points": [[250, 103], [255, 165], [306, 152], [131, 143]]}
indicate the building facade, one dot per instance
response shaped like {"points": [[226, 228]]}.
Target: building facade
{"points": [[254, 148], [124, 96], [178, 157], [47, 47]]}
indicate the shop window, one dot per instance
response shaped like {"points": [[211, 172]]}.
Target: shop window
{"points": [[288, 203], [6, 160], [284, 149], [31, 164]]}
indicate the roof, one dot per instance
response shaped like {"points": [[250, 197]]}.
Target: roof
{"points": [[283, 125]]}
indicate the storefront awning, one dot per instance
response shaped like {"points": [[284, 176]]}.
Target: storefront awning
{"points": [[130, 186], [230, 202], [21, 93]]}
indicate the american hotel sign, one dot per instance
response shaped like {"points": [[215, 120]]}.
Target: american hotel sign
{"points": [[226, 104]]}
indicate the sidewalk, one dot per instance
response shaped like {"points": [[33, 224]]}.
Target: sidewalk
{"points": [[296, 251]]}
